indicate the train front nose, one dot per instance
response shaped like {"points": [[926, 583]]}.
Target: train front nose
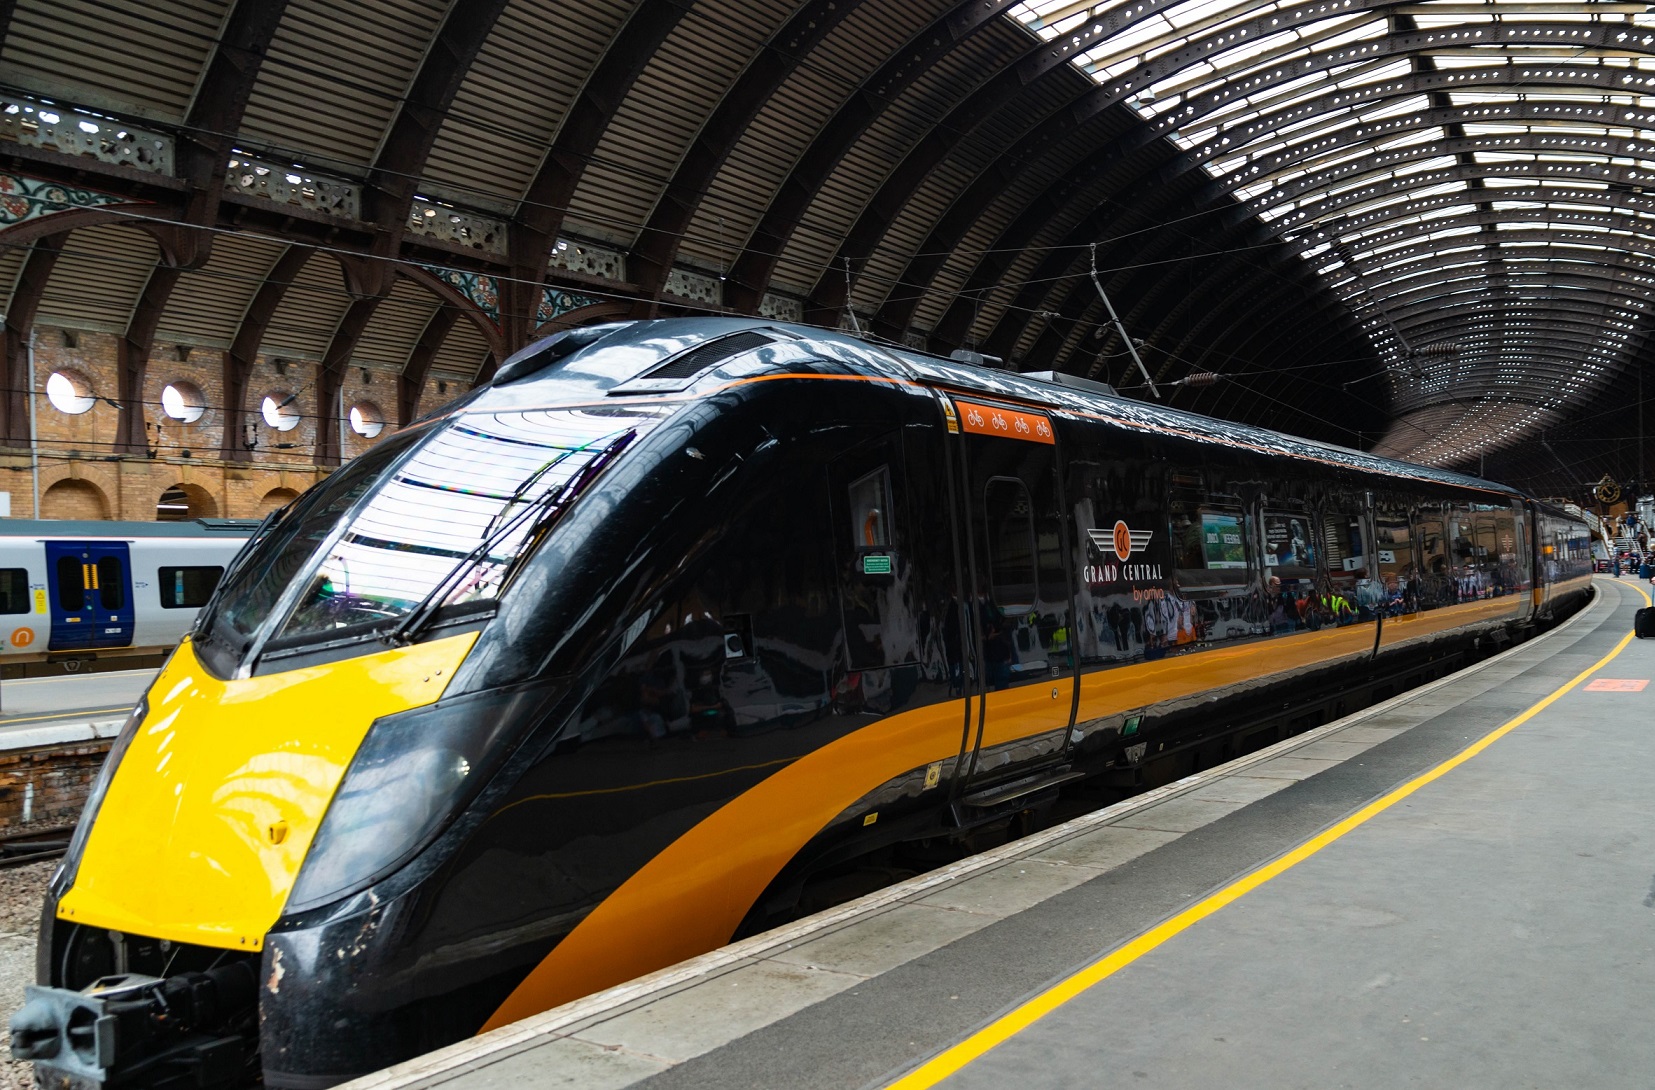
{"points": [[197, 835]]}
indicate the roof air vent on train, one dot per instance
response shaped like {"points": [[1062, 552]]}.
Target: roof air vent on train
{"points": [[559, 346], [977, 359], [681, 370]]}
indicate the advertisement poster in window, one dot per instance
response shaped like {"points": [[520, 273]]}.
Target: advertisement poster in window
{"points": [[1221, 542], [1287, 542]]}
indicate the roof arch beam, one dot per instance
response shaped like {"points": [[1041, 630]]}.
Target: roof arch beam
{"points": [[546, 199], [1358, 214], [20, 316], [1459, 323], [1078, 187], [1510, 269], [244, 349], [1590, 278], [1308, 176], [1315, 180], [718, 136], [411, 380], [209, 132], [214, 118], [750, 273], [1065, 261], [368, 287], [1353, 100], [1525, 240], [1043, 59], [1533, 301], [1582, 39], [132, 356], [388, 196], [999, 92]]}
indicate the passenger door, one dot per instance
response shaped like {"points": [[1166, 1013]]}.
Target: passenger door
{"points": [[90, 593], [1021, 606]]}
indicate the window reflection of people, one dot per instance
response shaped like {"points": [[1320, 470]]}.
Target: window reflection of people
{"points": [[1117, 623], [997, 649], [1282, 613]]}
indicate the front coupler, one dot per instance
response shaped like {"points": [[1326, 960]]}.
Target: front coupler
{"points": [[196, 1030]]}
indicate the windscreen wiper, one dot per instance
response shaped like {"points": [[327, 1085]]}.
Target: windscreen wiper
{"points": [[551, 505]]}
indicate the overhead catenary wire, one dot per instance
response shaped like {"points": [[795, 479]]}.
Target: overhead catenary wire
{"points": [[341, 251]]}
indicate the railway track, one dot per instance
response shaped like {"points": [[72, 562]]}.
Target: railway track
{"points": [[19, 849]]}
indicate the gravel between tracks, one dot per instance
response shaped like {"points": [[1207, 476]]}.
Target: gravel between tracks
{"points": [[20, 891]]}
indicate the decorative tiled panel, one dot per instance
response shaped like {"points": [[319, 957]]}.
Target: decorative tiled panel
{"points": [[781, 308], [75, 132], [584, 257], [480, 289], [555, 302], [251, 177], [24, 198], [448, 224], [689, 285]]}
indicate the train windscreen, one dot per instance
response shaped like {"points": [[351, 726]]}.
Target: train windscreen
{"points": [[421, 525]]}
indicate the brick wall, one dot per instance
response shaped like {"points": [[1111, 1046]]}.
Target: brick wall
{"points": [[82, 476], [60, 776], [72, 499]]}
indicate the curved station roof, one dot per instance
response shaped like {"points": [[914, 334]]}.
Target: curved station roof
{"points": [[1416, 228]]}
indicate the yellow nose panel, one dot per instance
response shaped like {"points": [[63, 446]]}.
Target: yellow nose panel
{"points": [[224, 786]]}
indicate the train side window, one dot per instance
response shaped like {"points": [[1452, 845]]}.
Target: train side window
{"points": [[870, 510], [187, 588], [1011, 548], [1209, 546], [14, 590], [71, 584], [1289, 545], [110, 583]]}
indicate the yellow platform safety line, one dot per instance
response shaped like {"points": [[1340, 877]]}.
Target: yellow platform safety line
{"points": [[1014, 1022]]}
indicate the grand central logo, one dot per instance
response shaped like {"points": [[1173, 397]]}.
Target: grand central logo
{"points": [[1123, 542]]}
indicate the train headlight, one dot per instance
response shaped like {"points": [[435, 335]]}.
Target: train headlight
{"points": [[64, 877], [411, 775]]}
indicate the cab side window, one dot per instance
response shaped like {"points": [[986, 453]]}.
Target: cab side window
{"points": [[870, 510]]}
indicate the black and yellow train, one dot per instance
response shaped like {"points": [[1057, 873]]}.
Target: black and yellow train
{"points": [[636, 647]]}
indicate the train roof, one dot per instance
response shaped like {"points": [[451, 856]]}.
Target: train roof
{"points": [[626, 358], [81, 529]]}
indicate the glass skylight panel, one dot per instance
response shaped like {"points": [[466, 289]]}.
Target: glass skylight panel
{"points": [[1263, 111], [1192, 14], [1409, 139], [1422, 166], [1128, 41]]}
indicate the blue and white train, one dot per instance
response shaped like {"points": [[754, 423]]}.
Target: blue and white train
{"points": [[71, 591]]}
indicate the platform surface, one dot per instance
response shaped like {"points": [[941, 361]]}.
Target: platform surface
{"points": [[43, 711], [1371, 904]]}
